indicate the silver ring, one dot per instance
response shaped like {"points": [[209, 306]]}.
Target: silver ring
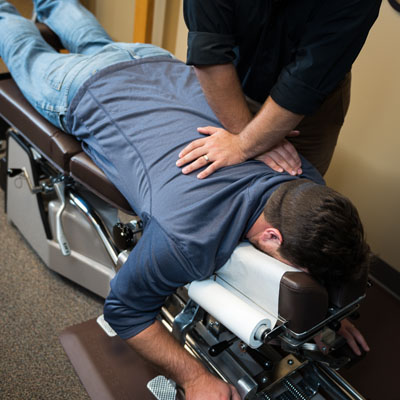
{"points": [[206, 157]]}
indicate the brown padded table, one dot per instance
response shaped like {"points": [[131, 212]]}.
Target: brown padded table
{"points": [[107, 367], [62, 150], [85, 171], [51, 142]]}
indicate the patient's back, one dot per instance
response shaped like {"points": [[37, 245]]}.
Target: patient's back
{"points": [[135, 118]]}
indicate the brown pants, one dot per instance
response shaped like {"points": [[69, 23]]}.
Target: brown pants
{"points": [[319, 131]]}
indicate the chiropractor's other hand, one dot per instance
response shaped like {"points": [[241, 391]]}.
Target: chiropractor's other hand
{"points": [[283, 157], [208, 387], [220, 149]]}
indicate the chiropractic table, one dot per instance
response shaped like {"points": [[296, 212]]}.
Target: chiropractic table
{"points": [[252, 323]]}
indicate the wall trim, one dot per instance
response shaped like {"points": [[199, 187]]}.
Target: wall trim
{"points": [[385, 275]]}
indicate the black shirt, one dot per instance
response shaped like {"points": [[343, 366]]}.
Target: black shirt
{"points": [[295, 51]]}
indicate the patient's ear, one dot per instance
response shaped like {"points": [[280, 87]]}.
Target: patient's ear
{"points": [[271, 238]]}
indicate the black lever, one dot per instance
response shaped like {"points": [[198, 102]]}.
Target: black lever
{"points": [[218, 348]]}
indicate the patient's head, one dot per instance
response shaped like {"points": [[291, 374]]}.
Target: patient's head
{"points": [[320, 230]]}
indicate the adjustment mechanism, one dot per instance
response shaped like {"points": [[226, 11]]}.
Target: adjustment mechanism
{"points": [[127, 235]]}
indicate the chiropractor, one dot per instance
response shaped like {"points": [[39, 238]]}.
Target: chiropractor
{"points": [[288, 60]]}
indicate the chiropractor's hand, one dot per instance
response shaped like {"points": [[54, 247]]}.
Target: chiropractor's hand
{"points": [[208, 387], [220, 149], [283, 157]]}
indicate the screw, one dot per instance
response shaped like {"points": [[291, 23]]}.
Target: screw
{"points": [[290, 362], [264, 379], [268, 364]]}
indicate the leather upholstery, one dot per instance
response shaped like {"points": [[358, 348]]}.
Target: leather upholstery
{"points": [[345, 293], [87, 173], [56, 146], [52, 143], [302, 301]]}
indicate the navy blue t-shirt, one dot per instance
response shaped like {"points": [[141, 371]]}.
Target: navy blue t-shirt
{"points": [[134, 118]]}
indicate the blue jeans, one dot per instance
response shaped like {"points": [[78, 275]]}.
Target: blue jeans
{"points": [[48, 79]]}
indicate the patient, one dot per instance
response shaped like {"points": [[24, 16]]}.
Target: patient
{"points": [[134, 107]]}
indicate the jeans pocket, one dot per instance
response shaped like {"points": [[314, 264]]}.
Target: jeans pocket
{"points": [[58, 70]]}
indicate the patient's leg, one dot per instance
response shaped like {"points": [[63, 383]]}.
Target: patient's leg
{"points": [[77, 28], [49, 80], [81, 33], [43, 75]]}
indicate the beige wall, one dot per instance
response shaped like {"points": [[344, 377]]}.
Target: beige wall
{"points": [[366, 164], [116, 17]]}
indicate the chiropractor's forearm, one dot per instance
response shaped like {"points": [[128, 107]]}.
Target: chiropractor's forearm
{"points": [[271, 124], [224, 94]]}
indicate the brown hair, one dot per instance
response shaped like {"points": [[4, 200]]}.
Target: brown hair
{"points": [[321, 230]]}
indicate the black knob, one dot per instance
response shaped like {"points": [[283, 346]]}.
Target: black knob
{"points": [[218, 348], [123, 236]]}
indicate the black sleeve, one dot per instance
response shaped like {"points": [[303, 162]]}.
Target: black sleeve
{"points": [[334, 36], [211, 36]]}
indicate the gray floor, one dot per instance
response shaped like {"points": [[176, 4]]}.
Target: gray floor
{"points": [[36, 305]]}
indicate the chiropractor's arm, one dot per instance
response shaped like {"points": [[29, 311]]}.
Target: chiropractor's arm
{"points": [[158, 346], [302, 86], [224, 94], [265, 132]]}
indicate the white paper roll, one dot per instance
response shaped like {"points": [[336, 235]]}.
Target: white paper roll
{"points": [[241, 318], [255, 275]]}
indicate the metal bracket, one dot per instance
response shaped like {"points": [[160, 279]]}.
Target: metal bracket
{"points": [[185, 320], [268, 334], [59, 187], [43, 188]]}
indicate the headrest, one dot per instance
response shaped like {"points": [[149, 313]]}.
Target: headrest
{"points": [[281, 290]]}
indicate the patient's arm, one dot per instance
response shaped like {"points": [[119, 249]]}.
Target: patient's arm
{"points": [[353, 336], [158, 346]]}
